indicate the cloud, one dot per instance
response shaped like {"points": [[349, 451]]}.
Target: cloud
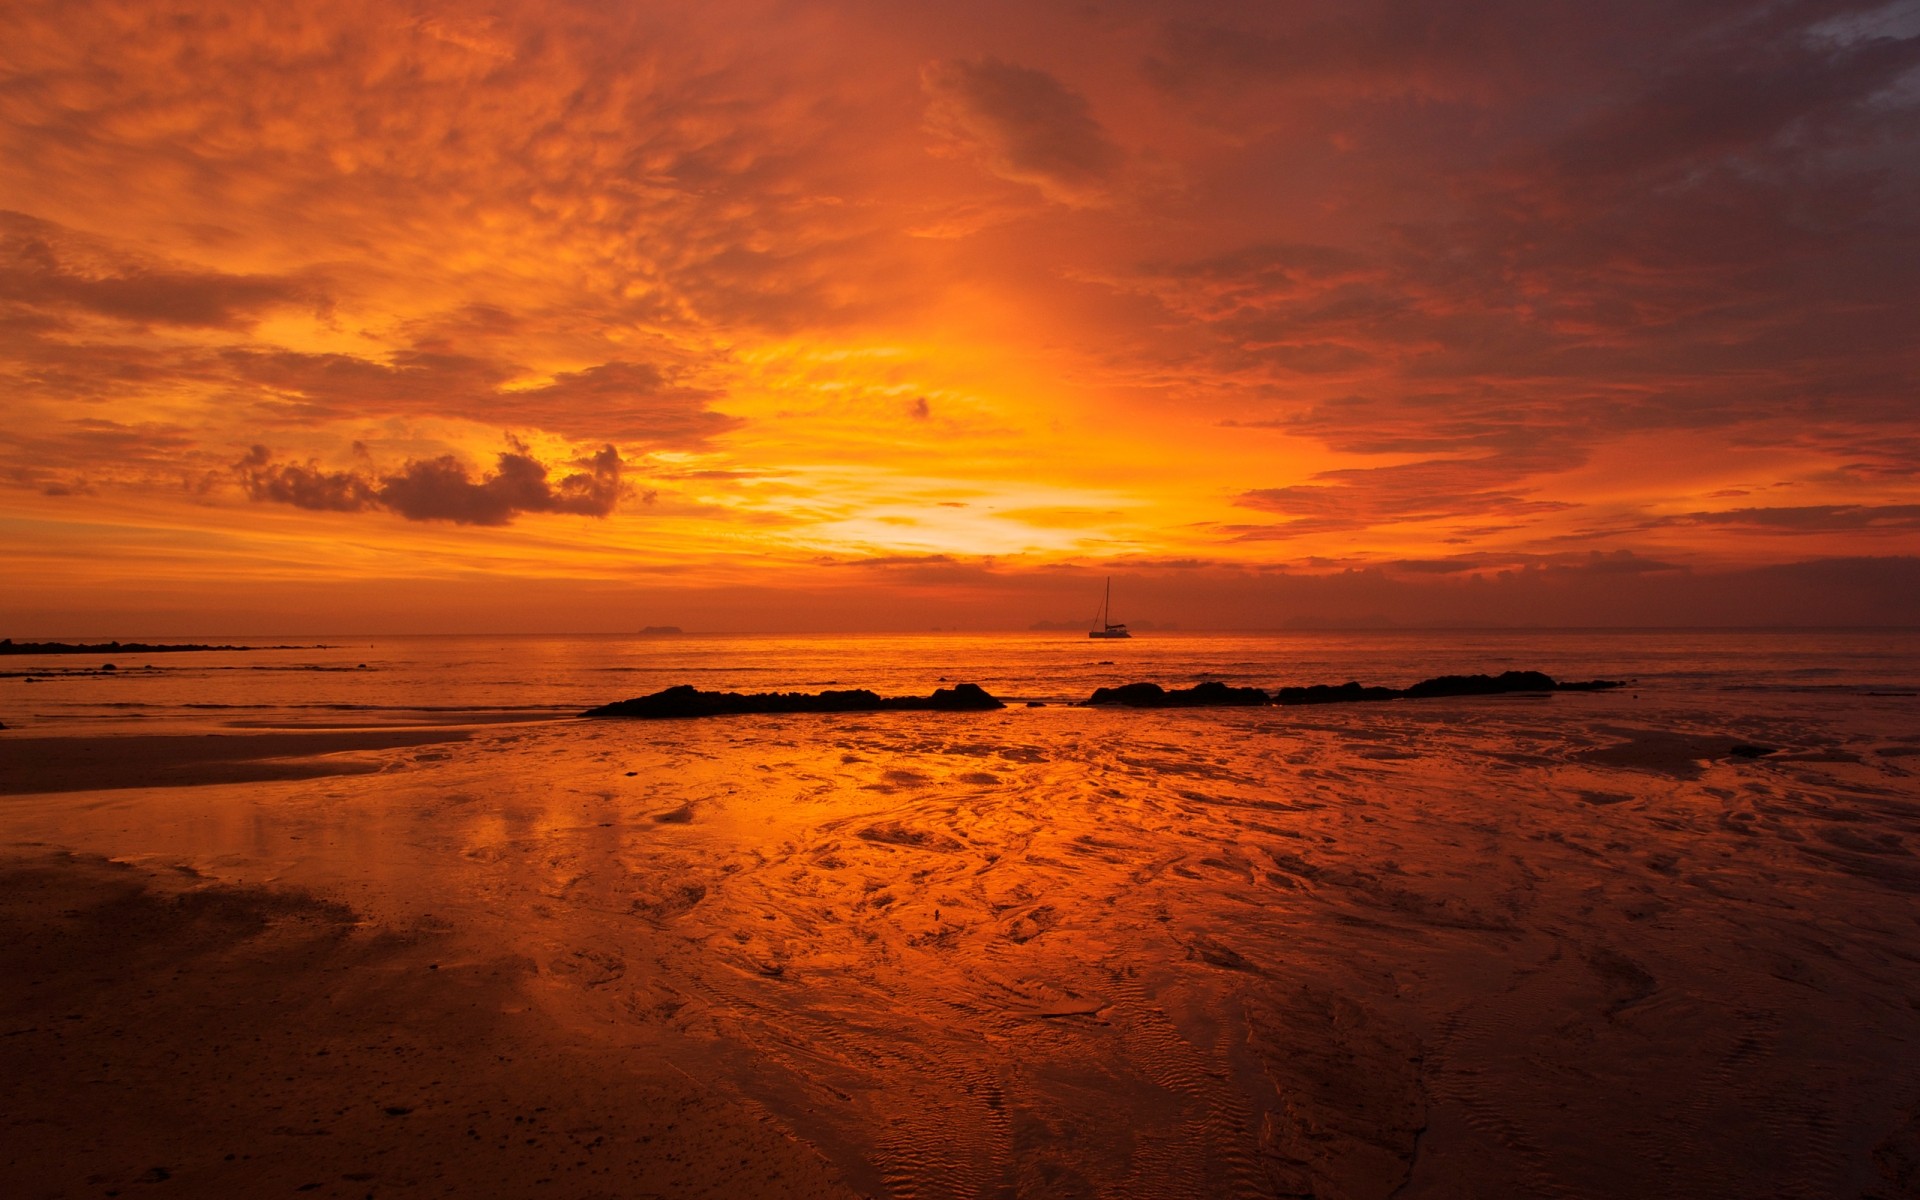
{"points": [[1433, 48], [625, 401], [48, 268], [1737, 95], [441, 489], [633, 403], [1358, 498], [1023, 125], [304, 485], [1595, 562], [1710, 227], [1807, 518]]}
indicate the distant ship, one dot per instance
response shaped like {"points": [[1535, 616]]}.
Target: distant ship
{"points": [[1107, 628]]}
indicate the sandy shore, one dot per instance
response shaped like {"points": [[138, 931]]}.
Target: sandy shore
{"points": [[1568, 947], [76, 764], [163, 1033]]}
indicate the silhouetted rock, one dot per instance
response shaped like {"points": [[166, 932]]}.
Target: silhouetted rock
{"points": [[1481, 685], [961, 697], [688, 701], [1346, 693], [1132, 695], [1444, 685], [1212, 694], [1743, 750]]}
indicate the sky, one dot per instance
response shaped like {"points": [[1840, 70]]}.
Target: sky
{"points": [[575, 315]]}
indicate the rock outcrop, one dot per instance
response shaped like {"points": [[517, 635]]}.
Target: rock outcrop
{"points": [[1220, 695], [688, 701], [1200, 695], [1444, 685]]}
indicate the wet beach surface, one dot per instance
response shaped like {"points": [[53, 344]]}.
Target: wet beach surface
{"points": [[1564, 945]]}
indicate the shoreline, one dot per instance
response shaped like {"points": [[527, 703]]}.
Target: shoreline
{"points": [[37, 764]]}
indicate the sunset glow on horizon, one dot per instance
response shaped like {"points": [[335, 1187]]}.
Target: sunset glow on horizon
{"points": [[755, 315]]}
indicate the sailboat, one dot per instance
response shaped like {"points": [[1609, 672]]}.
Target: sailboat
{"points": [[1107, 628]]}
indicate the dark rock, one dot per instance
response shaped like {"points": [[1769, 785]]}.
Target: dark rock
{"points": [[1132, 695], [1321, 693], [1444, 685], [1212, 694], [688, 701], [1481, 685], [961, 697], [1743, 750]]}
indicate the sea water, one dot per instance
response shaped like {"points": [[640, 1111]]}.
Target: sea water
{"points": [[363, 681]]}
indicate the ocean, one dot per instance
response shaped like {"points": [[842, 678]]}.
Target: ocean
{"points": [[331, 682], [1659, 940]]}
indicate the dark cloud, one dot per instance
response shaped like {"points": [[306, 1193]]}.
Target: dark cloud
{"points": [[893, 560], [633, 403], [43, 266], [303, 485], [1595, 562], [1359, 498], [1737, 95], [80, 454], [1023, 125], [441, 489], [1808, 518], [625, 401], [1642, 219], [1428, 47]]}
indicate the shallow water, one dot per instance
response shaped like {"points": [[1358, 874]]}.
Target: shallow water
{"points": [[1511, 946]]}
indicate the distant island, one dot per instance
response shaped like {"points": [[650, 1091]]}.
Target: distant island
{"points": [[661, 631], [9, 646]]}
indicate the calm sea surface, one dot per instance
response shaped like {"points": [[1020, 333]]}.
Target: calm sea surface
{"points": [[397, 680]]}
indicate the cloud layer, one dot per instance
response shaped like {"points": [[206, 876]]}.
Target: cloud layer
{"points": [[1400, 286]]}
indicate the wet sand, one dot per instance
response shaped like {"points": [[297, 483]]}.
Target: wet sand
{"points": [[163, 1031], [30, 764], [1516, 946]]}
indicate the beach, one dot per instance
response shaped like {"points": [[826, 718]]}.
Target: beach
{"points": [[1551, 945]]}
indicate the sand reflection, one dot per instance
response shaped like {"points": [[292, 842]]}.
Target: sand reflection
{"points": [[1515, 946]]}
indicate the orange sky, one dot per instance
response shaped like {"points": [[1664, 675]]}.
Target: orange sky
{"points": [[871, 315]]}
